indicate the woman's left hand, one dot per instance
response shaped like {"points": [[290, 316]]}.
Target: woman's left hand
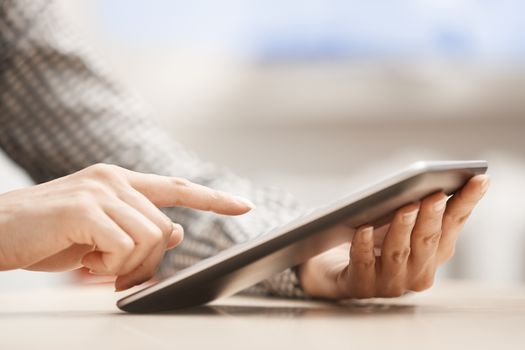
{"points": [[420, 238]]}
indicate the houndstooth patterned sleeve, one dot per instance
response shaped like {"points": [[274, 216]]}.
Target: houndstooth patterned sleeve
{"points": [[60, 111]]}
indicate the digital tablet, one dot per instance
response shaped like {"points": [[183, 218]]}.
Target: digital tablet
{"points": [[245, 264]]}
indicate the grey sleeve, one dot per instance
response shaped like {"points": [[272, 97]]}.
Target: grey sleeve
{"points": [[60, 111]]}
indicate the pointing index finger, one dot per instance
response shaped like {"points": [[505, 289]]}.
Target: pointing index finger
{"points": [[165, 191]]}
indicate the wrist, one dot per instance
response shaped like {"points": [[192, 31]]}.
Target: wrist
{"points": [[6, 215]]}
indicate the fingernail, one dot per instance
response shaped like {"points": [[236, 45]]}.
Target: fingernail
{"points": [[439, 206], [485, 185], [245, 202], [367, 234], [120, 288], [410, 217], [177, 228]]}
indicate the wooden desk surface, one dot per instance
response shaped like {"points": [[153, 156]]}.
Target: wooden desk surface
{"points": [[450, 316]]}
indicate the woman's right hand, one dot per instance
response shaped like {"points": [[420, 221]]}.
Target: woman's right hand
{"points": [[105, 218]]}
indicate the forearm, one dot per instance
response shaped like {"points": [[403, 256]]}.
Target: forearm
{"points": [[60, 111]]}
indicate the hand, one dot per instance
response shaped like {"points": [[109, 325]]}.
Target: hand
{"points": [[420, 238], [104, 218]]}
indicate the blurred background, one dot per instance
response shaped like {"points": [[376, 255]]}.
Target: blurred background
{"points": [[322, 96]]}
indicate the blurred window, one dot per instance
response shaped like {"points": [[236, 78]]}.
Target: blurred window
{"points": [[325, 29]]}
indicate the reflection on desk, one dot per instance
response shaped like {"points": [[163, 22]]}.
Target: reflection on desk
{"points": [[451, 315]]}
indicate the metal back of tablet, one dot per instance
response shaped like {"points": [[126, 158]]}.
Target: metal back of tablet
{"points": [[248, 263]]}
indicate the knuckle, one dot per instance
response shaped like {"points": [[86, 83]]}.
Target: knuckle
{"points": [[362, 248], [460, 219], [103, 171], [363, 251], [181, 182], [179, 200], [364, 264], [216, 195], [400, 256], [432, 239], [212, 197], [125, 245]]}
